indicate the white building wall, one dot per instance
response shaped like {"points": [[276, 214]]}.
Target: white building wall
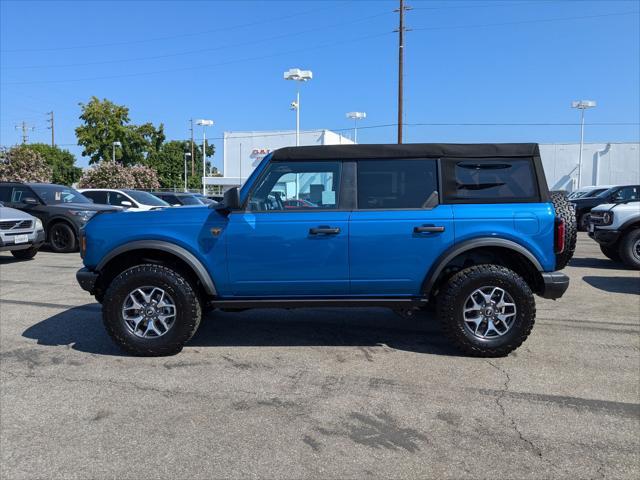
{"points": [[602, 164]]}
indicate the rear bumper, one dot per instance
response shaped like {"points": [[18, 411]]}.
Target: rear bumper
{"points": [[555, 284], [605, 237], [87, 279]]}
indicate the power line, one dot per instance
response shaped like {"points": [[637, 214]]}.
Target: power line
{"points": [[169, 37], [25, 130], [258, 41]]}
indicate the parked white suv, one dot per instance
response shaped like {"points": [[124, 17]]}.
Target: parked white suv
{"points": [[131, 200], [616, 227], [20, 233]]}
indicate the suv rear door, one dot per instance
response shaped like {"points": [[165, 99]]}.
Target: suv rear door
{"points": [[278, 251], [399, 228]]}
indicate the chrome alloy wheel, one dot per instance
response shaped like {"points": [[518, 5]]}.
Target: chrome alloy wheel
{"points": [[149, 312], [489, 312]]}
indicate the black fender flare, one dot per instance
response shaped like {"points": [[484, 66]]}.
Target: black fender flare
{"points": [[180, 252], [455, 250], [631, 223]]}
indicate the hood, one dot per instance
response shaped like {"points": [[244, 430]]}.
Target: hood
{"points": [[604, 207], [7, 213], [94, 207]]}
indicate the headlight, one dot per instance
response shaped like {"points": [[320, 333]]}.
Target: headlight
{"points": [[39, 225], [607, 218], [83, 215]]}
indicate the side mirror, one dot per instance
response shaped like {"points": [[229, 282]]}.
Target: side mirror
{"points": [[230, 201], [29, 201], [126, 203]]}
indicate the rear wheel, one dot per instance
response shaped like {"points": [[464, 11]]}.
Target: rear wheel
{"points": [[62, 238], [486, 310], [564, 210], [26, 254], [611, 252], [630, 249], [151, 310]]}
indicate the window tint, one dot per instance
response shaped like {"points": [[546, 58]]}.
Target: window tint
{"points": [[626, 193], [5, 194], [172, 199], [396, 183], [297, 186], [97, 197], [489, 180], [189, 200], [116, 199], [18, 194]]}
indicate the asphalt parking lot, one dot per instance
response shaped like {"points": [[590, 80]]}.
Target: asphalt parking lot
{"points": [[319, 393]]}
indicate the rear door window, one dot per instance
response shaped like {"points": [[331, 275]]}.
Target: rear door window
{"points": [[397, 184], [489, 180]]}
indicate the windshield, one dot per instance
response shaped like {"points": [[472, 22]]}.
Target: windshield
{"points": [[190, 200], [57, 194], [606, 193], [596, 192], [145, 198]]}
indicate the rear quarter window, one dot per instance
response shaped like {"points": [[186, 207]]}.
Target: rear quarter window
{"points": [[489, 180]]}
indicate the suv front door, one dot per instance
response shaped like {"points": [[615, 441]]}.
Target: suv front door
{"points": [[398, 229], [273, 250]]}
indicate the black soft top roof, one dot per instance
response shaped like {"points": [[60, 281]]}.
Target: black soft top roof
{"points": [[407, 150]]}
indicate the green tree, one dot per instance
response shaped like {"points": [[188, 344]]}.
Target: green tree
{"points": [[168, 161], [104, 123], [62, 163], [21, 164], [115, 175]]}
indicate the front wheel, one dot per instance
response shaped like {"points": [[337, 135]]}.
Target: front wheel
{"points": [[62, 238], [486, 310], [151, 310], [630, 249], [26, 254]]}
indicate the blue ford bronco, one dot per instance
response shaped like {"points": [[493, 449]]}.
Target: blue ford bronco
{"points": [[472, 229]]}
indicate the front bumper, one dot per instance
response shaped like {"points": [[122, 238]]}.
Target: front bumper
{"points": [[555, 284], [36, 239], [87, 279], [605, 237]]}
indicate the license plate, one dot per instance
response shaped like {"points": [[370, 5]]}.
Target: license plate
{"points": [[592, 227], [21, 239]]}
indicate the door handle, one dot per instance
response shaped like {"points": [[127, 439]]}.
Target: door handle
{"points": [[324, 231], [428, 229]]}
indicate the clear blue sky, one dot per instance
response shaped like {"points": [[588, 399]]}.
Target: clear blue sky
{"points": [[466, 62]]}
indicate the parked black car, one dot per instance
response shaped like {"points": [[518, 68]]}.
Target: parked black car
{"points": [[620, 193], [62, 210], [179, 199]]}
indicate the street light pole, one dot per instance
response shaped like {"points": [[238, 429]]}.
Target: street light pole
{"points": [[204, 123], [299, 76], [355, 116], [186, 154], [582, 105]]}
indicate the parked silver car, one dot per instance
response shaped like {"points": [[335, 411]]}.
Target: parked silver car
{"points": [[20, 233]]}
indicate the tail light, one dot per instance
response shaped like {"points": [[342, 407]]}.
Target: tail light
{"points": [[559, 235]]}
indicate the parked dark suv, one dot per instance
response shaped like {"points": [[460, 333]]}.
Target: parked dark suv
{"points": [[62, 210], [620, 193]]}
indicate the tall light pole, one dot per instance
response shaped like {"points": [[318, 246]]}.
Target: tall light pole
{"points": [[114, 145], [204, 124], [299, 76], [582, 105], [186, 154], [355, 116]]}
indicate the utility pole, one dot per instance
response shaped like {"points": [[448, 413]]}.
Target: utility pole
{"points": [[25, 131], [401, 29], [51, 126], [193, 168]]}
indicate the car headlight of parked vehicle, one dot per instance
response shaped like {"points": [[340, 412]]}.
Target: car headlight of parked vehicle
{"points": [[607, 218], [39, 226], [83, 215]]}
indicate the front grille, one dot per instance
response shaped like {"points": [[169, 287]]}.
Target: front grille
{"points": [[14, 224]]}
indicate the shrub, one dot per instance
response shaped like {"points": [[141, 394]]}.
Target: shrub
{"points": [[21, 164]]}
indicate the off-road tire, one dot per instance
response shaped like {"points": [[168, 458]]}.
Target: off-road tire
{"points": [[629, 256], [26, 254], [187, 302], [451, 301], [57, 232], [565, 212], [611, 252]]}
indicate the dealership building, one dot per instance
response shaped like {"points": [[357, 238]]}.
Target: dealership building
{"points": [[602, 163]]}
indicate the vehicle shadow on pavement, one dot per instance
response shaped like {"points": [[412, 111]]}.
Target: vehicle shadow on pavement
{"points": [[81, 328], [592, 262], [615, 284]]}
